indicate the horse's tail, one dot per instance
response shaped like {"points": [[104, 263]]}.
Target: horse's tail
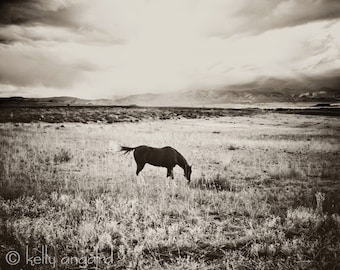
{"points": [[127, 149]]}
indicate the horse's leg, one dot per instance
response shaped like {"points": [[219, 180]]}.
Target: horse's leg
{"points": [[140, 167], [168, 173], [172, 173], [172, 177]]}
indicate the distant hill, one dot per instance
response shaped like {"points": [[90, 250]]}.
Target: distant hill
{"points": [[230, 95], [264, 90], [54, 101], [226, 96]]}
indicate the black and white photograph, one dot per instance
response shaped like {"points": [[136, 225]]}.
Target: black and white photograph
{"points": [[169, 134]]}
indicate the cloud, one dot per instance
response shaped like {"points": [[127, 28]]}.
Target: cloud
{"points": [[32, 11], [59, 20], [133, 46], [25, 65], [255, 17], [128, 17]]}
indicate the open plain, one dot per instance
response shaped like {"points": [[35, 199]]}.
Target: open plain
{"points": [[265, 193]]}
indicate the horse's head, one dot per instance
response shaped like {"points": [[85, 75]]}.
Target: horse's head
{"points": [[187, 172]]}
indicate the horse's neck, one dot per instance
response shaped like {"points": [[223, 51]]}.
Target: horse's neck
{"points": [[181, 161]]}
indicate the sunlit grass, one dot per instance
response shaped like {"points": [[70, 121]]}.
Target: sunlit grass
{"points": [[257, 199]]}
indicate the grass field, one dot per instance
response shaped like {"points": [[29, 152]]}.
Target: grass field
{"points": [[265, 194]]}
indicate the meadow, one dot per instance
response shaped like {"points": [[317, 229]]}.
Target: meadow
{"points": [[265, 194]]}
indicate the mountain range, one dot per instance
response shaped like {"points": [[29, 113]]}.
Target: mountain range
{"points": [[265, 90], [199, 98], [251, 96]]}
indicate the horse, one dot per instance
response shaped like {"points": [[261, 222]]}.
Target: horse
{"points": [[167, 157]]}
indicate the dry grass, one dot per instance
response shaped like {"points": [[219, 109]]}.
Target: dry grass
{"points": [[265, 199], [217, 183]]}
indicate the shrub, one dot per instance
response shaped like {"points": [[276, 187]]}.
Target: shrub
{"points": [[62, 156], [232, 147]]}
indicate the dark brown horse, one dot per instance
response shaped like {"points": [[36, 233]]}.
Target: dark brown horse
{"points": [[167, 157]]}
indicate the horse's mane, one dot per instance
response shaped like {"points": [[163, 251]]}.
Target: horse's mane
{"points": [[181, 160]]}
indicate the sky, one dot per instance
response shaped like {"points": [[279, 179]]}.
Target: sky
{"points": [[109, 48]]}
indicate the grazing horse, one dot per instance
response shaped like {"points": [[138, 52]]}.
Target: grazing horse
{"points": [[167, 157]]}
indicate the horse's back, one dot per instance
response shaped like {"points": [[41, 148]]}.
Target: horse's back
{"points": [[169, 151], [168, 148], [145, 148], [142, 148]]}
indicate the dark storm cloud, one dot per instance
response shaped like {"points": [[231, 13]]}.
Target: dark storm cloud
{"points": [[18, 11], [254, 17], [22, 21], [36, 11], [27, 13]]}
